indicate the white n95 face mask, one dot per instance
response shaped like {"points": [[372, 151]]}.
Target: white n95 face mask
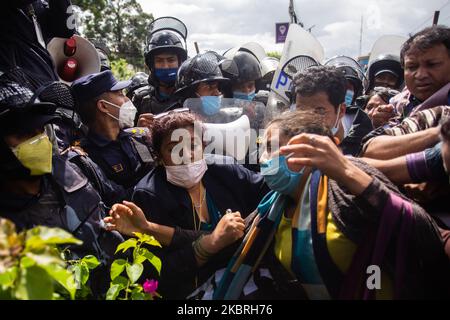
{"points": [[186, 175], [127, 113]]}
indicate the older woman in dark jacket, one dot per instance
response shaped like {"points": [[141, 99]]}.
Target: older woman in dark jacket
{"points": [[186, 198]]}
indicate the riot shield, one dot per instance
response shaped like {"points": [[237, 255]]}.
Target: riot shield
{"points": [[168, 23], [386, 45], [344, 61], [279, 99], [252, 47], [299, 44]]}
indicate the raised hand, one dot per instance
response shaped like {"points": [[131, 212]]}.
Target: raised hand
{"points": [[320, 152], [145, 120], [229, 229], [126, 218]]}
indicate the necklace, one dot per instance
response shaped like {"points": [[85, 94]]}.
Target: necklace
{"points": [[196, 216], [201, 202], [197, 209]]}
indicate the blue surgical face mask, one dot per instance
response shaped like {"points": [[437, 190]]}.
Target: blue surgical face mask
{"points": [[349, 97], [211, 104], [164, 96], [335, 128], [167, 76], [244, 96], [278, 177]]}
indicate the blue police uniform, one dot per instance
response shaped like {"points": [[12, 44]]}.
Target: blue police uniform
{"points": [[109, 191], [67, 200], [124, 161]]}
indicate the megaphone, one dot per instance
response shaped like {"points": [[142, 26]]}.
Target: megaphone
{"points": [[229, 139], [73, 58]]}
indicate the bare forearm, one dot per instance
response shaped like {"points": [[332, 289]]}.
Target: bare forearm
{"points": [[164, 235], [161, 233], [395, 169], [354, 179], [389, 147], [204, 248]]}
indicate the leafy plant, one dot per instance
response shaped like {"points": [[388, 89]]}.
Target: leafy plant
{"points": [[121, 24], [81, 270], [31, 266], [121, 69], [125, 274], [274, 54]]}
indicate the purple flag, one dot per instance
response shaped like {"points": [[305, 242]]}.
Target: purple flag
{"points": [[281, 32]]}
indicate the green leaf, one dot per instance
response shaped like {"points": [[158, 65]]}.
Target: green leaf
{"points": [[35, 284], [45, 259], [140, 259], [137, 295], [117, 268], [83, 293], [134, 271], [137, 287], [154, 260], [148, 297], [64, 277], [145, 238], [76, 270], [113, 292], [84, 273], [124, 246], [27, 262], [8, 277], [91, 261], [120, 281], [39, 237], [5, 294], [80, 273]]}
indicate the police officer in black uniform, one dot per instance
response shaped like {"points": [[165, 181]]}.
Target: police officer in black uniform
{"points": [[164, 54], [107, 112], [249, 74], [39, 187], [202, 76], [138, 81]]}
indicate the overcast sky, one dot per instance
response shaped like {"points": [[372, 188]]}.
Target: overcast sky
{"points": [[220, 25]]}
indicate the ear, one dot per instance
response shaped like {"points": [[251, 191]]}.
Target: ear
{"points": [[101, 106], [343, 108]]}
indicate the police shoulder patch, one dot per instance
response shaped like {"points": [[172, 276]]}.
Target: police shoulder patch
{"points": [[117, 168]]}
